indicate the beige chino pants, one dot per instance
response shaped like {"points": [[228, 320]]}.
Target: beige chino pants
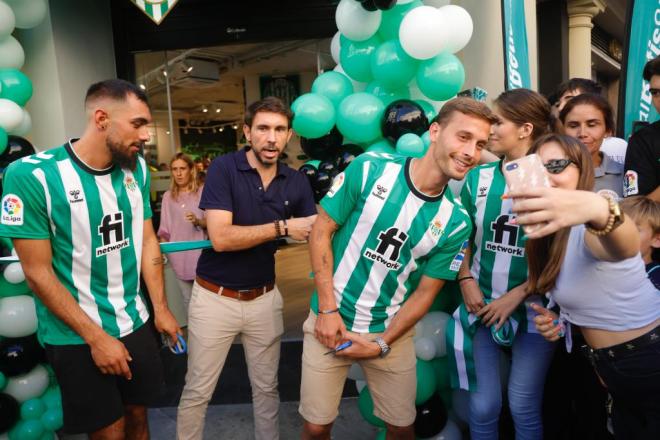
{"points": [[213, 322]]}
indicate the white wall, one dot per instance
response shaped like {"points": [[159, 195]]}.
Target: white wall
{"points": [[71, 49]]}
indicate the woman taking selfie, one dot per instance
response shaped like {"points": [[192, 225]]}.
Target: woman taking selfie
{"points": [[182, 220], [492, 281], [586, 255]]}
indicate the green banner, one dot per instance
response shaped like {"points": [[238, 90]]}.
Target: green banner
{"points": [[516, 54], [643, 45]]}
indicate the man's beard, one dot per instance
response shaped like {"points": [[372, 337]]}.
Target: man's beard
{"points": [[121, 157]]}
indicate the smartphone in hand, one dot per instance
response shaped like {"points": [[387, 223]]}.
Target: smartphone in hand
{"points": [[526, 172]]}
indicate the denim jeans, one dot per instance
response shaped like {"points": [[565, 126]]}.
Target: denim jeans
{"points": [[531, 355], [633, 380]]}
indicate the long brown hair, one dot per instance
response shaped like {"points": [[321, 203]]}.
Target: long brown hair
{"points": [[545, 255], [522, 106], [193, 184]]}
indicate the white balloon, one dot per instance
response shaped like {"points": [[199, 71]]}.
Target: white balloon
{"points": [[24, 127], [18, 316], [435, 325], [425, 349], [419, 329], [29, 13], [7, 20], [11, 115], [436, 3], [355, 372], [14, 273], [28, 386], [335, 47], [461, 404], [423, 32], [12, 55], [357, 85], [355, 22], [359, 384], [451, 431], [459, 27]]}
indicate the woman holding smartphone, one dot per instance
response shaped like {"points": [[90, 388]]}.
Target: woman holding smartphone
{"points": [[588, 118], [586, 255], [492, 281], [182, 220]]}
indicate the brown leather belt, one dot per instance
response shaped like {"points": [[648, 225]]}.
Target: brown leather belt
{"points": [[241, 295]]}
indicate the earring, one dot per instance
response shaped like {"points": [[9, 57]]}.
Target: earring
{"points": [[521, 137]]}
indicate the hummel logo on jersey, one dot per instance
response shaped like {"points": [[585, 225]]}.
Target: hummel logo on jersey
{"points": [[392, 238], [483, 191], [501, 227], [111, 231], [75, 196], [379, 191]]}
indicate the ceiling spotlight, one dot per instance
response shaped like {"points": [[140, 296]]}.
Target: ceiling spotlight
{"points": [[143, 87], [221, 129], [167, 132], [205, 109], [218, 110], [235, 126], [164, 72], [187, 68]]}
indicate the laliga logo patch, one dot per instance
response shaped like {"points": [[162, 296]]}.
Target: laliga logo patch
{"points": [[458, 259], [12, 210], [630, 183], [337, 183]]}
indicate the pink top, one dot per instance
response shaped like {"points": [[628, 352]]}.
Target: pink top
{"points": [[175, 227]]}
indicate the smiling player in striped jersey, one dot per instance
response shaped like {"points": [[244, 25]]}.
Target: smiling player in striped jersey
{"points": [[387, 237], [81, 225]]}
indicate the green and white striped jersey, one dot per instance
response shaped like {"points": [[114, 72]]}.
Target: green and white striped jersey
{"points": [[94, 220], [498, 248], [390, 235]]}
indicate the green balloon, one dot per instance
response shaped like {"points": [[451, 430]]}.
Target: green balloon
{"points": [[53, 419], [314, 162], [426, 382], [376, 88], [3, 381], [359, 117], [441, 77], [334, 86], [382, 146], [382, 434], [366, 406], [410, 145], [429, 111], [32, 409], [392, 66], [314, 116], [27, 430], [426, 138], [355, 58], [16, 86], [448, 299], [392, 18], [3, 140], [52, 397], [441, 369], [446, 396], [48, 435]]}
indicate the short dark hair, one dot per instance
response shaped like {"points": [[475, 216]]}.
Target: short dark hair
{"points": [[467, 106], [115, 89], [590, 99], [269, 104], [652, 68], [583, 84]]}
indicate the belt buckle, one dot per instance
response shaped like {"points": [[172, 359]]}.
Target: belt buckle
{"points": [[242, 292]]}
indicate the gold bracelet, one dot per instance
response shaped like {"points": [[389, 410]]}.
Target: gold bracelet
{"points": [[613, 221]]}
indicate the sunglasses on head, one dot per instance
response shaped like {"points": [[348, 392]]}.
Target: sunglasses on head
{"points": [[556, 166]]}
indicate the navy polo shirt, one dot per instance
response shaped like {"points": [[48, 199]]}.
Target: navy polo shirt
{"points": [[233, 185]]}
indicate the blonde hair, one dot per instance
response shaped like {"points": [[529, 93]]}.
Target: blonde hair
{"points": [[641, 208], [193, 184]]}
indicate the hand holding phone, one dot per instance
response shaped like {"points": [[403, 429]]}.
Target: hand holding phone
{"points": [[526, 172]]}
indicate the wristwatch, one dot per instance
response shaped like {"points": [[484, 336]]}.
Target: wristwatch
{"points": [[614, 220], [384, 348]]}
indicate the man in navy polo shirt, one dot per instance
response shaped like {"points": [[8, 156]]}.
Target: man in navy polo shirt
{"points": [[251, 200]]}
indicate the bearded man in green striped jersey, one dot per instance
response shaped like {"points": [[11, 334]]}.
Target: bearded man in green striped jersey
{"points": [[81, 225], [387, 237]]}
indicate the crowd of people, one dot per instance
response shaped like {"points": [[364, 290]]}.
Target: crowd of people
{"points": [[570, 261]]}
